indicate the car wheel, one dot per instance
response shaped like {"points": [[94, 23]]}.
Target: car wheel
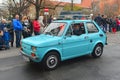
{"points": [[51, 61], [98, 50]]}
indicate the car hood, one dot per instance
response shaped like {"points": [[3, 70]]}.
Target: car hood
{"points": [[41, 40]]}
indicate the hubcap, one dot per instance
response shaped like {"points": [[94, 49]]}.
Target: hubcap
{"points": [[52, 61], [98, 51]]}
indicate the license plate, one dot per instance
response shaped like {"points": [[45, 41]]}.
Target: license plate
{"points": [[26, 58]]}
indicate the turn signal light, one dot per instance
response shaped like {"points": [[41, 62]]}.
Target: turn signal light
{"points": [[33, 54]]}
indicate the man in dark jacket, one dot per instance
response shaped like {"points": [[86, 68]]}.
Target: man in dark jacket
{"points": [[104, 23], [11, 32], [98, 20]]}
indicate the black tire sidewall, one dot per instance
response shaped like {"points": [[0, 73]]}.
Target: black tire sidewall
{"points": [[94, 54], [44, 62]]}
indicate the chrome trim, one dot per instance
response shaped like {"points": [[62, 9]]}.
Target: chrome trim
{"points": [[24, 54]]}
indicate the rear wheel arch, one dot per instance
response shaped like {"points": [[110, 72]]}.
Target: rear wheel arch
{"points": [[100, 44]]}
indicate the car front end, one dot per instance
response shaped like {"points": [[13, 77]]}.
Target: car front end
{"points": [[29, 52]]}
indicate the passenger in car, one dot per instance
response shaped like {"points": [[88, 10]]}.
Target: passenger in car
{"points": [[76, 30]]}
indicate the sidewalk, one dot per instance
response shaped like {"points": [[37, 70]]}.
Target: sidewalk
{"points": [[13, 51], [113, 39]]}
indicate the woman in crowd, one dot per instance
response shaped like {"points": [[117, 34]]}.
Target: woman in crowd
{"points": [[26, 27], [36, 27]]}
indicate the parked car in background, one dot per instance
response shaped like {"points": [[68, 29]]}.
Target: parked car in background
{"points": [[62, 40], [72, 15]]}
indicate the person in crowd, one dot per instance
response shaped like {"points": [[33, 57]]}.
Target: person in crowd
{"points": [[26, 27], [114, 25], [118, 24], [98, 19], [50, 19], [6, 36], [36, 27], [41, 18], [17, 25], [30, 25], [11, 32], [1, 35], [104, 23], [1, 39], [109, 21]]}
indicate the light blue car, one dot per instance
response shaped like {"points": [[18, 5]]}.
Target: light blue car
{"points": [[62, 40]]}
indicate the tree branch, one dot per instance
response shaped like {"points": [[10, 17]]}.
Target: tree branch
{"points": [[57, 4], [31, 1], [54, 7], [15, 3]]}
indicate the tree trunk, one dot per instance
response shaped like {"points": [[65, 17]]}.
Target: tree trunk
{"points": [[37, 12], [37, 9]]}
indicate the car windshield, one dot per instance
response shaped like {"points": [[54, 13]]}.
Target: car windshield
{"points": [[55, 29]]}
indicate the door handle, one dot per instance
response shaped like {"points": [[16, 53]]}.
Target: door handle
{"points": [[91, 40], [101, 35], [86, 37]]}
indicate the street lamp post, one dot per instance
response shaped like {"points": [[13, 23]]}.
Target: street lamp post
{"points": [[71, 5]]}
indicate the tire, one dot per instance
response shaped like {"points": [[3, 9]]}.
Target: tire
{"points": [[51, 61], [98, 50]]}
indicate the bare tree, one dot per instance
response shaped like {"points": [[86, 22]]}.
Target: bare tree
{"points": [[117, 3], [95, 9], [112, 9], [3, 13], [41, 4], [17, 6], [21, 5]]}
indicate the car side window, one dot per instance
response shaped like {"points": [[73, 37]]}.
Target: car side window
{"points": [[91, 28], [78, 29]]}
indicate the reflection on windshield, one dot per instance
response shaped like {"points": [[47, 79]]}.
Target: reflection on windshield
{"points": [[55, 29]]}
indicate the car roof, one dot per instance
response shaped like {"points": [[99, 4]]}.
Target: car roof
{"points": [[69, 21]]}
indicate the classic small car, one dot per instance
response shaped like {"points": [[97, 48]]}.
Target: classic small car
{"points": [[62, 40]]}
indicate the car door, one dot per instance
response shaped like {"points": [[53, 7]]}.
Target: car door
{"points": [[93, 34], [74, 45]]}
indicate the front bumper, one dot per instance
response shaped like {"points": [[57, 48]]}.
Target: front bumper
{"points": [[28, 56]]}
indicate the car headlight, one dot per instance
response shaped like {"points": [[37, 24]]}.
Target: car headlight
{"points": [[33, 48]]}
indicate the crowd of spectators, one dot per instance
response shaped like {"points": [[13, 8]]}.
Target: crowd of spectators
{"points": [[25, 27], [12, 31], [108, 24]]}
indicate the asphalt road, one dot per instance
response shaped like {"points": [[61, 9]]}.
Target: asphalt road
{"points": [[83, 68]]}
